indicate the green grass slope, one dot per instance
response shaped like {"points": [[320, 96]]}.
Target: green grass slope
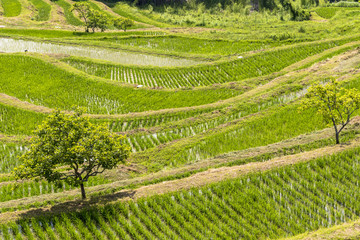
{"points": [[12, 8], [43, 10], [70, 17]]}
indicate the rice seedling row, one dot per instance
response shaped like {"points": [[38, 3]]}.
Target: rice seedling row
{"points": [[320, 193], [50, 86], [247, 67], [9, 156], [128, 124], [178, 44], [14, 121], [141, 142], [26, 189], [348, 135], [273, 125]]}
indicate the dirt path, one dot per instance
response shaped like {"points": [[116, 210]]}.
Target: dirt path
{"points": [[196, 180], [220, 174], [346, 231], [14, 139]]}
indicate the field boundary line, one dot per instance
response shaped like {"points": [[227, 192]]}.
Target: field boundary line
{"points": [[345, 231]]}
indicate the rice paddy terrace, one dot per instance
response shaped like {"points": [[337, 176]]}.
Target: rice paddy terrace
{"points": [[209, 109]]}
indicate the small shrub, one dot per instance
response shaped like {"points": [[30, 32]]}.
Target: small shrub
{"points": [[302, 29]]}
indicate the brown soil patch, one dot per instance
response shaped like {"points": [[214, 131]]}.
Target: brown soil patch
{"points": [[346, 231]]}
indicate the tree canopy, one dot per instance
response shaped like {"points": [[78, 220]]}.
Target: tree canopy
{"points": [[82, 8], [68, 147], [336, 104], [98, 20], [123, 23]]}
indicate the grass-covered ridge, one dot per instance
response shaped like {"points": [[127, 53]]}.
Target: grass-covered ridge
{"points": [[43, 10], [12, 8], [70, 17]]}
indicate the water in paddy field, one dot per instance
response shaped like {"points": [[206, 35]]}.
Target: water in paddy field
{"points": [[11, 45]]}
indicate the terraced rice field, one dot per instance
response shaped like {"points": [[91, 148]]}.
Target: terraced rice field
{"points": [[210, 110]]}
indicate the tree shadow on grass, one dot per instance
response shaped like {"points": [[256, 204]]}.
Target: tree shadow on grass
{"points": [[77, 205]]}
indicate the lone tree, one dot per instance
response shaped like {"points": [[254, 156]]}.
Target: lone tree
{"points": [[68, 147], [83, 9], [123, 23], [97, 19], [334, 103]]}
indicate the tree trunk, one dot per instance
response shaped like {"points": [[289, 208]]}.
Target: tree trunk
{"points": [[83, 194], [336, 132]]}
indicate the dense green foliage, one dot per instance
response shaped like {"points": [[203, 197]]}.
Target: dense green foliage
{"points": [[346, 4], [71, 140], [335, 104]]}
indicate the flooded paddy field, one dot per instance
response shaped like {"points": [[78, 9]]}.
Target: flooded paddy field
{"points": [[9, 45]]}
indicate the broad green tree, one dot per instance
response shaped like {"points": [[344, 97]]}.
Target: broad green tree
{"points": [[336, 104], [68, 147], [97, 19], [123, 23], [83, 9]]}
